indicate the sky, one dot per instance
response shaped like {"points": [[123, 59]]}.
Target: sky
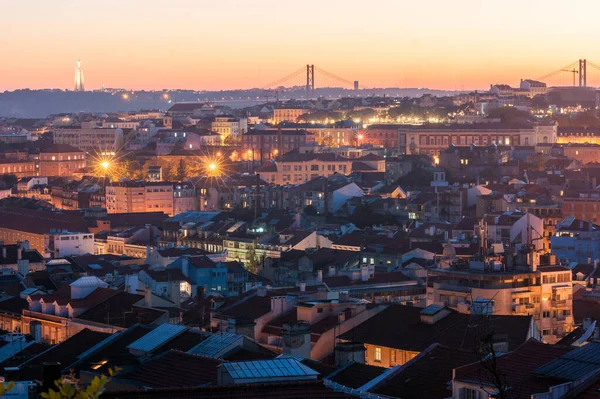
{"points": [[217, 44]]}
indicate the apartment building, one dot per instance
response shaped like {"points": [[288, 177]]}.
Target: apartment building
{"points": [[90, 140], [433, 140], [18, 167], [506, 285], [20, 224], [296, 168], [288, 114], [60, 160], [262, 145], [228, 126], [135, 197]]}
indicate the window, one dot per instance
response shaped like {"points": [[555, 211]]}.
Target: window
{"points": [[393, 357], [377, 356], [545, 332], [546, 314], [470, 393]]}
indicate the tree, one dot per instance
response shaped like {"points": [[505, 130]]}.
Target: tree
{"points": [[230, 140], [70, 388], [252, 262], [181, 171]]}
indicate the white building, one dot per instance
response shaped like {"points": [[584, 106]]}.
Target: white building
{"points": [[64, 243], [226, 126]]}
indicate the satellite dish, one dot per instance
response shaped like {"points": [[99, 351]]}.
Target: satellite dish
{"points": [[586, 335]]}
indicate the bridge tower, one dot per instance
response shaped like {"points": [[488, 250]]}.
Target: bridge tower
{"points": [[582, 73], [310, 81]]}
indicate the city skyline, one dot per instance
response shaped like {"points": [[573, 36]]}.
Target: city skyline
{"points": [[189, 45]]}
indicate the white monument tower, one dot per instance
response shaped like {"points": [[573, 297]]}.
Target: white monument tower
{"points": [[79, 77]]}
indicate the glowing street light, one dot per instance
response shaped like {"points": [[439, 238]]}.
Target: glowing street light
{"points": [[105, 165], [212, 166]]}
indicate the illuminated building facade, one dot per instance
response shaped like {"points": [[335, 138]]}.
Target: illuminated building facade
{"points": [[90, 139], [288, 114], [60, 160], [132, 197], [433, 140]]}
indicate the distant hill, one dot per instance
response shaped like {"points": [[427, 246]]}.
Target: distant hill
{"points": [[40, 103]]}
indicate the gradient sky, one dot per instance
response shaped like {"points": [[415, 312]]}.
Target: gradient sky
{"points": [[216, 44]]}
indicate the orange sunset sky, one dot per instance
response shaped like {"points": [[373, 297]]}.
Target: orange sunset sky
{"points": [[198, 44]]}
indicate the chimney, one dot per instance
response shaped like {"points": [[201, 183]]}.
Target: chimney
{"points": [[277, 305], [3, 252], [147, 297], [185, 265], [348, 352], [296, 339], [319, 276], [19, 252], [302, 286], [364, 273], [257, 198], [326, 198], [341, 317], [175, 292], [331, 271]]}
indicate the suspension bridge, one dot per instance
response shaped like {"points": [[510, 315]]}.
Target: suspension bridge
{"points": [[581, 73]]}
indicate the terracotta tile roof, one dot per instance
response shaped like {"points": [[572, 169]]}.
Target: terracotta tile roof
{"points": [[116, 352], [183, 342], [122, 220], [356, 375], [426, 376], [286, 390], [166, 275], [378, 278], [201, 262], [40, 222], [176, 252], [251, 308], [400, 327], [584, 308], [119, 310], [517, 368], [66, 353], [176, 369]]}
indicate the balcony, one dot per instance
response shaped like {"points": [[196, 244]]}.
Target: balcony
{"points": [[563, 303], [519, 309]]}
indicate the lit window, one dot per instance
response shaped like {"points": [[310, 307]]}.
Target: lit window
{"points": [[377, 356]]}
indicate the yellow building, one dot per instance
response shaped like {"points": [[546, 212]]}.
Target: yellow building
{"points": [[300, 168], [288, 114]]}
